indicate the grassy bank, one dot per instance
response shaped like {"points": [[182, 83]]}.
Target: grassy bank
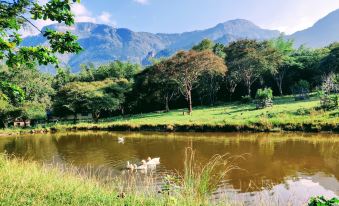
{"points": [[30, 183], [285, 115]]}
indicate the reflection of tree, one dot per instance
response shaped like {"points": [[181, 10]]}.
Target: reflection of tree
{"points": [[31, 147]]}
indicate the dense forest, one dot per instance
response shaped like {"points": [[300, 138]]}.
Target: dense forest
{"points": [[208, 74]]}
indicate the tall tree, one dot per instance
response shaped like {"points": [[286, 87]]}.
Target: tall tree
{"points": [[250, 57], [15, 14], [187, 67], [282, 59]]}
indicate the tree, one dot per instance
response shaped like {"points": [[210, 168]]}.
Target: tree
{"points": [[219, 50], [250, 58], [16, 14], [36, 85], [330, 63], [93, 97], [282, 60], [62, 77], [32, 111], [205, 44], [233, 78], [11, 98], [8, 112], [116, 69], [185, 68]]}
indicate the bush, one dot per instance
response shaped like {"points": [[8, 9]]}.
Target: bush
{"points": [[329, 102], [264, 98], [321, 201]]}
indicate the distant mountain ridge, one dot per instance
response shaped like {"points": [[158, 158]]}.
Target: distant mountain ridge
{"points": [[103, 43], [322, 33]]}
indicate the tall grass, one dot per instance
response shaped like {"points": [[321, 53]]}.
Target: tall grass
{"points": [[31, 183]]}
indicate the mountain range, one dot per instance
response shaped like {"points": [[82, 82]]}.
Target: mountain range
{"points": [[103, 43]]}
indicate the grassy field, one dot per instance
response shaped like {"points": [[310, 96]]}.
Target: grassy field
{"points": [[286, 114]]}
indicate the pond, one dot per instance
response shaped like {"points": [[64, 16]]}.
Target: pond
{"points": [[287, 168]]}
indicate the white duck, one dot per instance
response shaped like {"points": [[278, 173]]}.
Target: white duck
{"points": [[130, 166], [121, 140], [143, 166], [154, 161]]}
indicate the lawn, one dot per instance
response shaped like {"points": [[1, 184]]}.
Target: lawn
{"points": [[285, 112]]}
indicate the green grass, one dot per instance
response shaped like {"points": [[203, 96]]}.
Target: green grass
{"points": [[285, 115], [25, 183]]}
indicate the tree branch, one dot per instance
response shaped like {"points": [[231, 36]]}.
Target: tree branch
{"points": [[31, 23]]}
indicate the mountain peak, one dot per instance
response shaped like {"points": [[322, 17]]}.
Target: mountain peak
{"points": [[104, 43], [322, 33]]}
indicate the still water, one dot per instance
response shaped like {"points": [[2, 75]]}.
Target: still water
{"points": [[285, 168]]}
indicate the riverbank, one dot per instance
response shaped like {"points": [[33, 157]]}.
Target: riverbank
{"points": [[285, 115]]}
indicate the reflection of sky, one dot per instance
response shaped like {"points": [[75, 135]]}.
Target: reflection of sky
{"points": [[292, 192]]}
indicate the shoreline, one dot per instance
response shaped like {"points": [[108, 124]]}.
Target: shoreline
{"points": [[169, 128]]}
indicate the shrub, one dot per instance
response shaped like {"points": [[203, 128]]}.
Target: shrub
{"points": [[264, 98], [322, 201], [329, 102], [303, 111]]}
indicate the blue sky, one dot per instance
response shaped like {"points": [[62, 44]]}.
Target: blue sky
{"points": [[186, 15]]}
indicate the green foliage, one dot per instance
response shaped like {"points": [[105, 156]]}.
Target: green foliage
{"points": [[303, 84], [205, 44], [33, 111], [90, 97], [14, 94], [322, 201], [264, 98], [14, 16], [264, 94]]}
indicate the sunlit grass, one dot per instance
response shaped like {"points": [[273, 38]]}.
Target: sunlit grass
{"points": [[30, 183], [285, 111], [286, 114]]}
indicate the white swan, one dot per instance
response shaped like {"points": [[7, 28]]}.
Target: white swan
{"points": [[154, 161], [143, 165]]}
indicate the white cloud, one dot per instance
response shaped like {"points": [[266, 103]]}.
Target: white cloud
{"points": [[141, 1], [303, 14], [82, 14], [105, 18]]}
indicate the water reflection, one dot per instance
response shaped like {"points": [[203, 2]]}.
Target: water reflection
{"points": [[288, 167]]}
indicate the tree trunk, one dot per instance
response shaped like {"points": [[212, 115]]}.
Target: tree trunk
{"points": [[189, 99], [279, 82], [5, 124], [249, 90], [167, 109], [95, 116], [75, 118], [280, 89]]}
